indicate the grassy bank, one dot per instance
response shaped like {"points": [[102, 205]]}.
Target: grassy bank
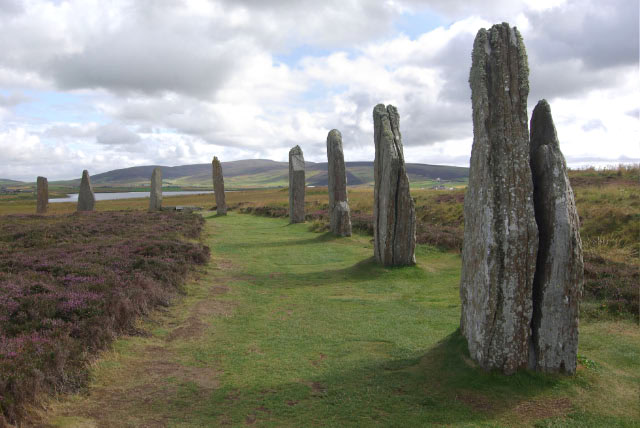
{"points": [[69, 284], [294, 328]]}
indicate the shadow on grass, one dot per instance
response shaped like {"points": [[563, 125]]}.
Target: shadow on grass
{"points": [[321, 238], [439, 387], [366, 270], [215, 216]]}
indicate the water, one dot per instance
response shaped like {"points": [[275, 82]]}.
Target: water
{"points": [[127, 195]]}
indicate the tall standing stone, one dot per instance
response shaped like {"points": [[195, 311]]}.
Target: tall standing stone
{"points": [[155, 198], [86, 199], [218, 187], [500, 232], [558, 281], [394, 214], [339, 213], [296, 185], [42, 191]]}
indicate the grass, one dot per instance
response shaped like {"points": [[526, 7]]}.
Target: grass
{"points": [[293, 328]]}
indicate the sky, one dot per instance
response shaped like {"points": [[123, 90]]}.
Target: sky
{"points": [[90, 84]]}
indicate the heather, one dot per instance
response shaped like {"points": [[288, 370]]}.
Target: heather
{"points": [[69, 284]]}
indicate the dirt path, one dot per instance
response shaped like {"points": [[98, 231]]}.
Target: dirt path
{"points": [[145, 381]]}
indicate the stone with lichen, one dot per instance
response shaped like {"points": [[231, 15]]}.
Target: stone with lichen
{"points": [[394, 214], [155, 197], [339, 213], [559, 276], [86, 198], [218, 187], [296, 185], [42, 194], [500, 232]]}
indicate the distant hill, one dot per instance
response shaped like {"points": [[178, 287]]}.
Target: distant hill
{"points": [[257, 173], [7, 182]]}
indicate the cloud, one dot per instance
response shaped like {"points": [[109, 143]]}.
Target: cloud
{"points": [[179, 80], [71, 131], [593, 125], [13, 99], [116, 134]]}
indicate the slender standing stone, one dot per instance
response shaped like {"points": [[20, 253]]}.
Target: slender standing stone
{"points": [[218, 187], [394, 212], [42, 195], [558, 281], [500, 232], [340, 217], [296, 185], [86, 199], [155, 199]]}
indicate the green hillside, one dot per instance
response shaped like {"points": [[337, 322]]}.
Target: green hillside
{"points": [[7, 182], [264, 173]]}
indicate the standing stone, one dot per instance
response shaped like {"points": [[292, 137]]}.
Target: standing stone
{"points": [[43, 195], [218, 187], [155, 199], [86, 199], [339, 213], [500, 232], [557, 285], [296, 185], [394, 214]]}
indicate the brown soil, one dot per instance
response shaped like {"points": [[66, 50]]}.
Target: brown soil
{"points": [[543, 408], [476, 401]]}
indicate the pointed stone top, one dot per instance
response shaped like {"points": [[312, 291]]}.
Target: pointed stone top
{"points": [[296, 159], [85, 173], [215, 159], [543, 131], [499, 42]]}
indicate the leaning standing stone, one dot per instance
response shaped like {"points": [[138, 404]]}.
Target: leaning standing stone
{"points": [[296, 185], [340, 219], [42, 190], [155, 199], [218, 187], [557, 285], [86, 199], [500, 233], [394, 214]]}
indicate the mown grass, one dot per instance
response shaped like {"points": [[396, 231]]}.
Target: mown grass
{"points": [[295, 328]]}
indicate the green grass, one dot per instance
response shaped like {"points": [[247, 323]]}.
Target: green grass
{"points": [[292, 328]]}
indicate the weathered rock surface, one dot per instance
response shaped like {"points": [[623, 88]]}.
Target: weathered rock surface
{"points": [[500, 236], [394, 214], [42, 190], [339, 213], [218, 187], [559, 276], [86, 199], [155, 198], [296, 185]]}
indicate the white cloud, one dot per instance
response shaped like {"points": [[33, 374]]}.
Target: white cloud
{"points": [[178, 81]]}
